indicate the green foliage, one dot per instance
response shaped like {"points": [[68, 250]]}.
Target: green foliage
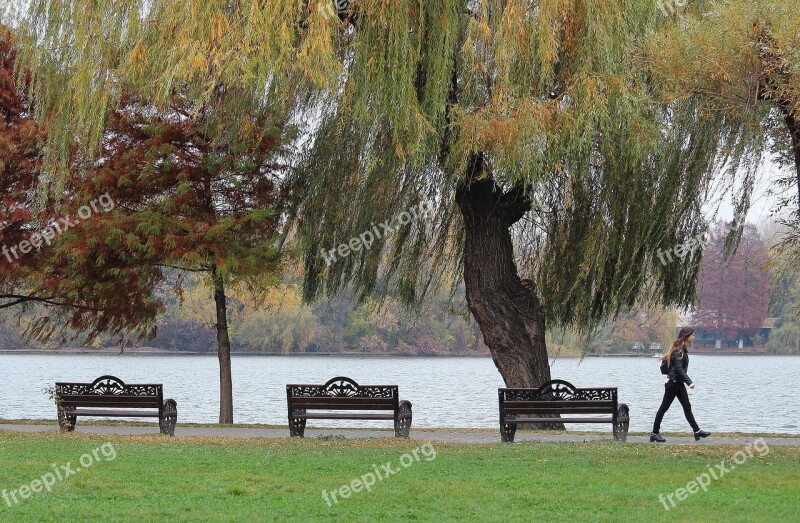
{"points": [[785, 338], [278, 322], [634, 330], [785, 306], [556, 100], [398, 96], [89, 53], [10, 336], [740, 59]]}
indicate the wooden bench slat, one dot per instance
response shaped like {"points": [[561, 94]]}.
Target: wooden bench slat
{"points": [[107, 397], [108, 403], [67, 403], [380, 402], [112, 413], [334, 415], [564, 410], [338, 406], [559, 404], [562, 420]]}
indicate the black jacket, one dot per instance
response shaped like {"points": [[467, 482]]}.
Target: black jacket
{"points": [[679, 366]]}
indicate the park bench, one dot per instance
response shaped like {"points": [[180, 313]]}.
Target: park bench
{"points": [[343, 394], [563, 398], [108, 396]]}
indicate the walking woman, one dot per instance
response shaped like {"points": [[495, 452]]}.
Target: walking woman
{"points": [[677, 359]]}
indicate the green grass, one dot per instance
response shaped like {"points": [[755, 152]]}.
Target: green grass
{"points": [[155, 478]]}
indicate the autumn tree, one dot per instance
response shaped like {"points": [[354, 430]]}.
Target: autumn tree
{"points": [[179, 199], [191, 202], [63, 285], [733, 292], [645, 325], [510, 116], [20, 150], [503, 115], [740, 60]]}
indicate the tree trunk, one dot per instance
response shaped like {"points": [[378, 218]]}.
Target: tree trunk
{"points": [[507, 309], [224, 350], [794, 131]]}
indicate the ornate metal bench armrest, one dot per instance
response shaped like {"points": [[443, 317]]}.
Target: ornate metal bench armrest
{"points": [[66, 422], [622, 422], [169, 417], [402, 425], [297, 426]]}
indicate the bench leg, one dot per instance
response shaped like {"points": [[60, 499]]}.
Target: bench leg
{"points": [[402, 422], [66, 423], [508, 430], [169, 417], [297, 426], [621, 423]]}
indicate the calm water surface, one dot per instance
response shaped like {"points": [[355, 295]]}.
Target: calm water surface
{"points": [[734, 393]]}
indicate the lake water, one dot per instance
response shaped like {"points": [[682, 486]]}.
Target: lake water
{"points": [[734, 393]]}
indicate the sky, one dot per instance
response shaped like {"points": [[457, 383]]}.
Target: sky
{"points": [[763, 201]]}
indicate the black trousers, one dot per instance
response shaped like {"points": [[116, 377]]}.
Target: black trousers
{"points": [[671, 391]]}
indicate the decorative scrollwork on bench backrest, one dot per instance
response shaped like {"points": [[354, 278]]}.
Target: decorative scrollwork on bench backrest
{"points": [[559, 390], [108, 386], [342, 387]]}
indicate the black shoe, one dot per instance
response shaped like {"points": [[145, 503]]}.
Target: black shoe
{"points": [[655, 436], [701, 434]]}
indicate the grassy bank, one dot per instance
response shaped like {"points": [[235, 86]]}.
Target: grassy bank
{"points": [[155, 478]]}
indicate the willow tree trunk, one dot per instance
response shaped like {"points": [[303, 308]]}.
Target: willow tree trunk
{"points": [[507, 309], [224, 350]]}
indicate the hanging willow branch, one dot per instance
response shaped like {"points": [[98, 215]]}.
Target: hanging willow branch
{"points": [[554, 95]]}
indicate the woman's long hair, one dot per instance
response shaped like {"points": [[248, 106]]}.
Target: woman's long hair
{"points": [[678, 344]]}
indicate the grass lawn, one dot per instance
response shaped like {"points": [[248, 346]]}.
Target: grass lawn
{"points": [[155, 478]]}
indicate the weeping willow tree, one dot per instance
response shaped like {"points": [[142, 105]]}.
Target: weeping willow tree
{"points": [[510, 119], [741, 59], [518, 120]]}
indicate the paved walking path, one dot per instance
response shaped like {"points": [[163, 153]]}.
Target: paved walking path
{"points": [[452, 436]]}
